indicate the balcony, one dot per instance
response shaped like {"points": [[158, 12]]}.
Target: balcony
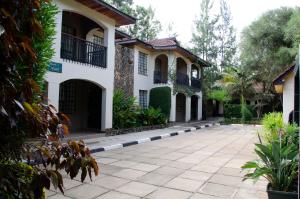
{"points": [[160, 77], [182, 79], [80, 50], [196, 83]]}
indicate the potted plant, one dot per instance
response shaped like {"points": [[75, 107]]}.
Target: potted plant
{"points": [[277, 161]]}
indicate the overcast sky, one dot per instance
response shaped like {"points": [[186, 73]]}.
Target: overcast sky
{"points": [[183, 13]]}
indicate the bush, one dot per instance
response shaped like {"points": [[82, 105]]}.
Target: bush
{"points": [[232, 111], [160, 98], [272, 124], [151, 116], [124, 111], [246, 113]]}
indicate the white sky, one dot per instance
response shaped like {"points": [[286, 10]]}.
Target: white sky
{"points": [[183, 13]]}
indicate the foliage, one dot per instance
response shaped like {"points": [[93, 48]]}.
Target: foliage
{"points": [[278, 163], [22, 113], [272, 124], [226, 37], [146, 27], [151, 116], [270, 44], [246, 113], [238, 82], [156, 96], [178, 88], [126, 114], [219, 95], [124, 110]]}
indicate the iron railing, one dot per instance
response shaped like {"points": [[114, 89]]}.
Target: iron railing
{"points": [[182, 79], [196, 83], [80, 50], [160, 77]]}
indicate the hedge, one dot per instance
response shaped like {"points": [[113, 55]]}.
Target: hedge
{"points": [[234, 111], [161, 98]]}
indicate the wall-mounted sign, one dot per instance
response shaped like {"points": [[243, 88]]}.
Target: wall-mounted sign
{"points": [[55, 67]]}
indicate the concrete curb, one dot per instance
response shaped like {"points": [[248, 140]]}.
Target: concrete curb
{"points": [[150, 139]]}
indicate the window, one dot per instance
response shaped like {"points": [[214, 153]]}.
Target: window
{"points": [[142, 63], [98, 40], [143, 99], [67, 103]]}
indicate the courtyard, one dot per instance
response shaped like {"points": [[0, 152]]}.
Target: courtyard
{"points": [[203, 164]]}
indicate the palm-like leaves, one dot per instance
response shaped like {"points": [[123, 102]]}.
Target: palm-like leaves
{"points": [[277, 163]]}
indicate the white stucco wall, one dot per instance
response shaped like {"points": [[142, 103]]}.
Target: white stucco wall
{"points": [[103, 77], [288, 96], [142, 82]]}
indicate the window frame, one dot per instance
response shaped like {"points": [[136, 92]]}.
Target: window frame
{"points": [[142, 63], [143, 99]]}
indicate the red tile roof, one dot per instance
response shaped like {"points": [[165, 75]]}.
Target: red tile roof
{"points": [[164, 42]]}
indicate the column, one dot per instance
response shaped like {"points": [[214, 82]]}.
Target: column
{"points": [[57, 37], [53, 94], [187, 108], [189, 69], [106, 116], [199, 108], [173, 107]]}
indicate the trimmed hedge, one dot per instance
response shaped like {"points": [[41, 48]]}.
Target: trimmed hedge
{"points": [[161, 98], [234, 111]]}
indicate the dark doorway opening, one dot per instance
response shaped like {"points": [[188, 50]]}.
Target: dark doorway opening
{"points": [[194, 107], [180, 107]]}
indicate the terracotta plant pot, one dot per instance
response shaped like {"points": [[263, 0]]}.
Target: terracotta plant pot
{"points": [[272, 194]]}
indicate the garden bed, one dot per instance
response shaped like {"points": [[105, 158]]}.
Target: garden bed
{"points": [[112, 132]]}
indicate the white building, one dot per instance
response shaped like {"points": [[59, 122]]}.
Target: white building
{"points": [[81, 74], [153, 63], [288, 84]]}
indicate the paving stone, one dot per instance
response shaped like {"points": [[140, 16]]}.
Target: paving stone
{"points": [[109, 169], [203, 196], [184, 184], [180, 165], [226, 180], [231, 171], [130, 174], [169, 171], [58, 196], [205, 168], [196, 175], [218, 190], [85, 191], [166, 193], [155, 179], [106, 160], [116, 195], [245, 193], [172, 156], [110, 182], [137, 189], [144, 167], [50, 193], [124, 163]]}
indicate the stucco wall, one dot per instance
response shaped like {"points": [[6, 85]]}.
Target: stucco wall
{"points": [[288, 96], [103, 77]]}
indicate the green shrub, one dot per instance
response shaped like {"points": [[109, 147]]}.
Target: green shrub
{"points": [[272, 124], [124, 111], [152, 116], [160, 98], [246, 113], [232, 111]]}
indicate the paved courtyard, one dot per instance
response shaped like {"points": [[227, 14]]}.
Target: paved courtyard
{"points": [[204, 164]]}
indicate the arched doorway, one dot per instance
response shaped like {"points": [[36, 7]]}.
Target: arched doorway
{"points": [[181, 72], [81, 101], [194, 107], [161, 69], [180, 107]]}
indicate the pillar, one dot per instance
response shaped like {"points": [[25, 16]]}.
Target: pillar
{"points": [[173, 108], [106, 115], [53, 94], [199, 108], [57, 37], [187, 108]]}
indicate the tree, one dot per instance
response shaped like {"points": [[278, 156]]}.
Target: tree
{"points": [[22, 113], [170, 31], [226, 36], [146, 27]]}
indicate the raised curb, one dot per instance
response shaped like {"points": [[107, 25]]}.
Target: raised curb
{"points": [[150, 139]]}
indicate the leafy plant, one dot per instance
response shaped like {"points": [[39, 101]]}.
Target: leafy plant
{"points": [[156, 96], [246, 113], [278, 164], [219, 95], [272, 124], [152, 116]]}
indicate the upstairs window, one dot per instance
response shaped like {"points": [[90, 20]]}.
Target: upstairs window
{"points": [[98, 40], [142, 69], [143, 94]]}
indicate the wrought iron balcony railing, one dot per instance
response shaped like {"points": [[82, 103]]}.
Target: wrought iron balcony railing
{"points": [[182, 79], [160, 77], [196, 83], [80, 50]]}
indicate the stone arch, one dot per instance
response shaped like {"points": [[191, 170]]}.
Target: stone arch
{"points": [[161, 69], [180, 107]]}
